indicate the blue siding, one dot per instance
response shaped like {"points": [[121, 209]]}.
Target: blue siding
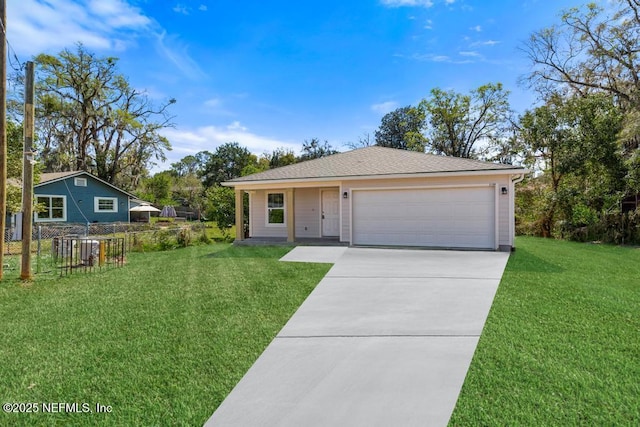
{"points": [[80, 201]]}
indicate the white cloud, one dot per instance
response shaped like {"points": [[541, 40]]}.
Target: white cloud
{"points": [[180, 8], [118, 14], [178, 53], [470, 54], [428, 25], [213, 103], [236, 126], [411, 3], [439, 58], [384, 107], [190, 141], [485, 43], [202, 8], [37, 26], [477, 28]]}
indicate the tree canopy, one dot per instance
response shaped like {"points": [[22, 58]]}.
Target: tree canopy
{"points": [[574, 141], [15, 146], [402, 128], [459, 123], [314, 149], [227, 162], [90, 118]]}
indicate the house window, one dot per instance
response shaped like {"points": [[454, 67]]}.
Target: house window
{"points": [[51, 208], [105, 204], [80, 182], [275, 208]]}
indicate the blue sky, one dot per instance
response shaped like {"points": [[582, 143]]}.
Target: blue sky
{"points": [[271, 74]]}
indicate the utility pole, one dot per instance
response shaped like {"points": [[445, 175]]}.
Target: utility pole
{"points": [[3, 129], [27, 172]]}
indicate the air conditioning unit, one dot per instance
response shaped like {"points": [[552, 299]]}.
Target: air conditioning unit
{"points": [[63, 247], [89, 250]]}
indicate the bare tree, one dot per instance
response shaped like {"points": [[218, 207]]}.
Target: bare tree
{"points": [[592, 49], [363, 141]]}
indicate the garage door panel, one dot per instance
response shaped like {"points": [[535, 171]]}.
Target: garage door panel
{"points": [[452, 217]]}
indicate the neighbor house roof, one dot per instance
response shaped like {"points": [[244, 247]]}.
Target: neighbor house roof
{"points": [[375, 161], [54, 176], [49, 177]]}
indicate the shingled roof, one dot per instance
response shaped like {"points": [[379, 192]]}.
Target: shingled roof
{"points": [[374, 161], [48, 177], [53, 176]]}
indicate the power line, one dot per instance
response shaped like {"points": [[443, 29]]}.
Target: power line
{"points": [[12, 52], [21, 65]]}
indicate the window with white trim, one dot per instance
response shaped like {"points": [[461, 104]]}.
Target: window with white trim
{"points": [[275, 209], [80, 182], [105, 204], [51, 208]]}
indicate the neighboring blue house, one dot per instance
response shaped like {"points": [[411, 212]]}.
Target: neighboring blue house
{"points": [[79, 197]]}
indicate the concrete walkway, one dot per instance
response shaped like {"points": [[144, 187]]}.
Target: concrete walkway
{"points": [[386, 338]]}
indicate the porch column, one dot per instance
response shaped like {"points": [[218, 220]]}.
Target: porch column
{"points": [[291, 222], [239, 215]]}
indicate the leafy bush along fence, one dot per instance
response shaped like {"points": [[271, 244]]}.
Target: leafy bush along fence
{"points": [[166, 238], [607, 227], [138, 237]]}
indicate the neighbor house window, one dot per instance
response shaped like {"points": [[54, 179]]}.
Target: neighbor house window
{"points": [[80, 182], [105, 204], [51, 208], [275, 208]]}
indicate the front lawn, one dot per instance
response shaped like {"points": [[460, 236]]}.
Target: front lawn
{"points": [[561, 345], [161, 341]]}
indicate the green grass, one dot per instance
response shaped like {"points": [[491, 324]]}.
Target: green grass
{"points": [[162, 340], [561, 345]]}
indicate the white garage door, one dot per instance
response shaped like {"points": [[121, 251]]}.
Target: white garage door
{"points": [[443, 217]]}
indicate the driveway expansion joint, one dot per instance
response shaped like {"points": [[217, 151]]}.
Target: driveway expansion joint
{"points": [[382, 336], [329, 276]]}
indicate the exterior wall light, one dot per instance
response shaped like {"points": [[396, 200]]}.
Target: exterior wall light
{"points": [[504, 190], [345, 195]]}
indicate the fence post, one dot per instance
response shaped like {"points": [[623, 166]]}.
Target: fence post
{"points": [[86, 231], [39, 249]]}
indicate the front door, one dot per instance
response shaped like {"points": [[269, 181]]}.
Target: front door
{"points": [[330, 213]]}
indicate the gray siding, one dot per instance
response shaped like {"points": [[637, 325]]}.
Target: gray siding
{"points": [[258, 216], [307, 214], [307, 207]]}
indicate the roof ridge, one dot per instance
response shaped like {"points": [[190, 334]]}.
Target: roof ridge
{"points": [[374, 161]]}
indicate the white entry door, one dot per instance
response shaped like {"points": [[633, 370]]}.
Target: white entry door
{"points": [[330, 213]]}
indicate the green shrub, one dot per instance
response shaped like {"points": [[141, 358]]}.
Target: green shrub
{"points": [[583, 216], [165, 240], [183, 237], [204, 238]]}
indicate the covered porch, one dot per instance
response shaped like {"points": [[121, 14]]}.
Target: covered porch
{"points": [[305, 214]]}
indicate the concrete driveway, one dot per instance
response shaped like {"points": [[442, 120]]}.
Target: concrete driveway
{"points": [[386, 338]]}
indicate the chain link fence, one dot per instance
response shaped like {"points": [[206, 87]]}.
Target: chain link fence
{"points": [[138, 236]]}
